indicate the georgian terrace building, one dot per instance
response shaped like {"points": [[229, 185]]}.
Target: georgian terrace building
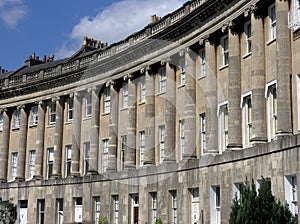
{"points": [[166, 123]]}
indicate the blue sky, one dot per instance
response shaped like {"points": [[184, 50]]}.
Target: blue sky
{"points": [[58, 27]]}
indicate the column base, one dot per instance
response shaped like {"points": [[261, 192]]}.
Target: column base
{"points": [[149, 163], [92, 172], [187, 156], [211, 152], [234, 147], [19, 179], [75, 174], [281, 133], [258, 140], [55, 176], [2, 181], [130, 166], [37, 177]]}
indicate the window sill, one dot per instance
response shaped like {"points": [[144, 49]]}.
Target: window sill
{"points": [[15, 128], [161, 93], [201, 77], [87, 118], [223, 67], [123, 109], [142, 103], [247, 55], [51, 125], [271, 41], [68, 122], [33, 126], [105, 113], [181, 86]]}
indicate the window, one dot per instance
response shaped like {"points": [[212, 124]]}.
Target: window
{"points": [[88, 105], [182, 64], [247, 119], [86, 159], [248, 41], [203, 132], [105, 154], [181, 136], [237, 190], [154, 206], [195, 205], [78, 210], [272, 19], [162, 142], [31, 164], [125, 96], [1, 121], [291, 197], [97, 206], [272, 110], [107, 100], [162, 80], [68, 160], [135, 208], [52, 113], [174, 206], [294, 15], [116, 203], [50, 156], [223, 126], [22, 211], [143, 90], [70, 110], [41, 211], [202, 63], [34, 115], [60, 211], [225, 51], [14, 165], [142, 148], [17, 119], [215, 203], [123, 150]]}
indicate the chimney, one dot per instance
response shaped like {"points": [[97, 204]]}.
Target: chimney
{"points": [[84, 40], [44, 58], [33, 55], [154, 18]]}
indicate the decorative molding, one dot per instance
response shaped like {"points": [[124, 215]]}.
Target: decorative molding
{"points": [[127, 77], [55, 99], [110, 83], [203, 39], [252, 9], [228, 25], [145, 69], [20, 107], [165, 61], [3, 110]]}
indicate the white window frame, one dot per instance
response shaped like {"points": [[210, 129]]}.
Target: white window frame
{"points": [[225, 50], [203, 132], [271, 109], [52, 113], [88, 105], [14, 166], [105, 154], [97, 208], [70, 110], [298, 100], [143, 90], [106, 100], [195, 200], [154, 206], [41, 211], [50, 158], [86, 157], [202, 58], [246, 105], [215, 204], [272, 22], [1, 121], [142, 147], [78, 210], [248, 37], [17, 118], [31, 164], [125, 95], [182, 137], [135, 204], [294, 15], [182, 66], [60, 211], [174, 203], [237, 190], [123, 151], [162, 134], [223, 126], [291, 194], [162, 80], [68, 160], [116, 204], [34, 115]]}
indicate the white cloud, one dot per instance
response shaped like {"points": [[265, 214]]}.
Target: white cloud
{"points": [[117, 21], [12, 11]]}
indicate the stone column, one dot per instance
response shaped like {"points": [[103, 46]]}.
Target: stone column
{"points": [[4, 146], [22, 143], [94, 146], [170, 113], [234, 91], [40, 141], [58, 138], [75, 166], [113, 128], [130, 154], [190, 106], [150, 117], [211, 96], [258, 78], [283, 62]]}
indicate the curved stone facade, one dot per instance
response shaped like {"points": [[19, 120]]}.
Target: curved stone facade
{"points": [[166, 123]]}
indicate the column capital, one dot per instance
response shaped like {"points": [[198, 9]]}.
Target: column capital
{"points": [[20, 107], [55, 99], [251, 9], [165, 61], [203, 39], [3, 110], [228, 25], [39, 103], [184, 51], [110, 83], [127, 77], [145, 69], [92, 89]]}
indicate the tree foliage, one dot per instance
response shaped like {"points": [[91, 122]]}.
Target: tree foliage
{"points": [[8, 212], [259, 208]]}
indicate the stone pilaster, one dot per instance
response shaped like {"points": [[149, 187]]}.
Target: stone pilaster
{"points": [[22, 143], [283, 62], [130, 154], [113, 128], [190, 107], [58, 138], [94, 145], [4, 146], [150, 117], [75, 166], [40, 141], [234, 91], [211, 96]]}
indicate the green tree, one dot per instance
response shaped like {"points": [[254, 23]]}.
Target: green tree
{"points": [[259, 208], [8, 212]]}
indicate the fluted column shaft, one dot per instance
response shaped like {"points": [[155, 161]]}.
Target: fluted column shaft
{"points": [[22, 144], [40, 141], [4, 146], [234, 92], [283, 62]]}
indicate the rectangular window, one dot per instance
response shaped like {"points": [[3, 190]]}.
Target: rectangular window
{"points": [[68, 160], [1, 121], [78, 210], [105, 154], [70, 110], [125, 96], [97, 206], [52, 113], [272, 21], [162, 142], [223, 127], [107, 100], [294, 15], [272, 110], [215, 203], [247, 119], [291, 196], [237, 190], [162, 80], [225, 51], [203, 132], [154, 206], [14, 165], [182, 64], [22, 211], [116, 204], [34, 115], [50, 157], [86, 159], [17, 118], [31, 164], [248, 41], [202, 63], [135, 208], [181, 136], [195, 205], [41, 211], [142, 148], [123, 150], [88, 105], [143, 90], [60, 211], [174, 206]]}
